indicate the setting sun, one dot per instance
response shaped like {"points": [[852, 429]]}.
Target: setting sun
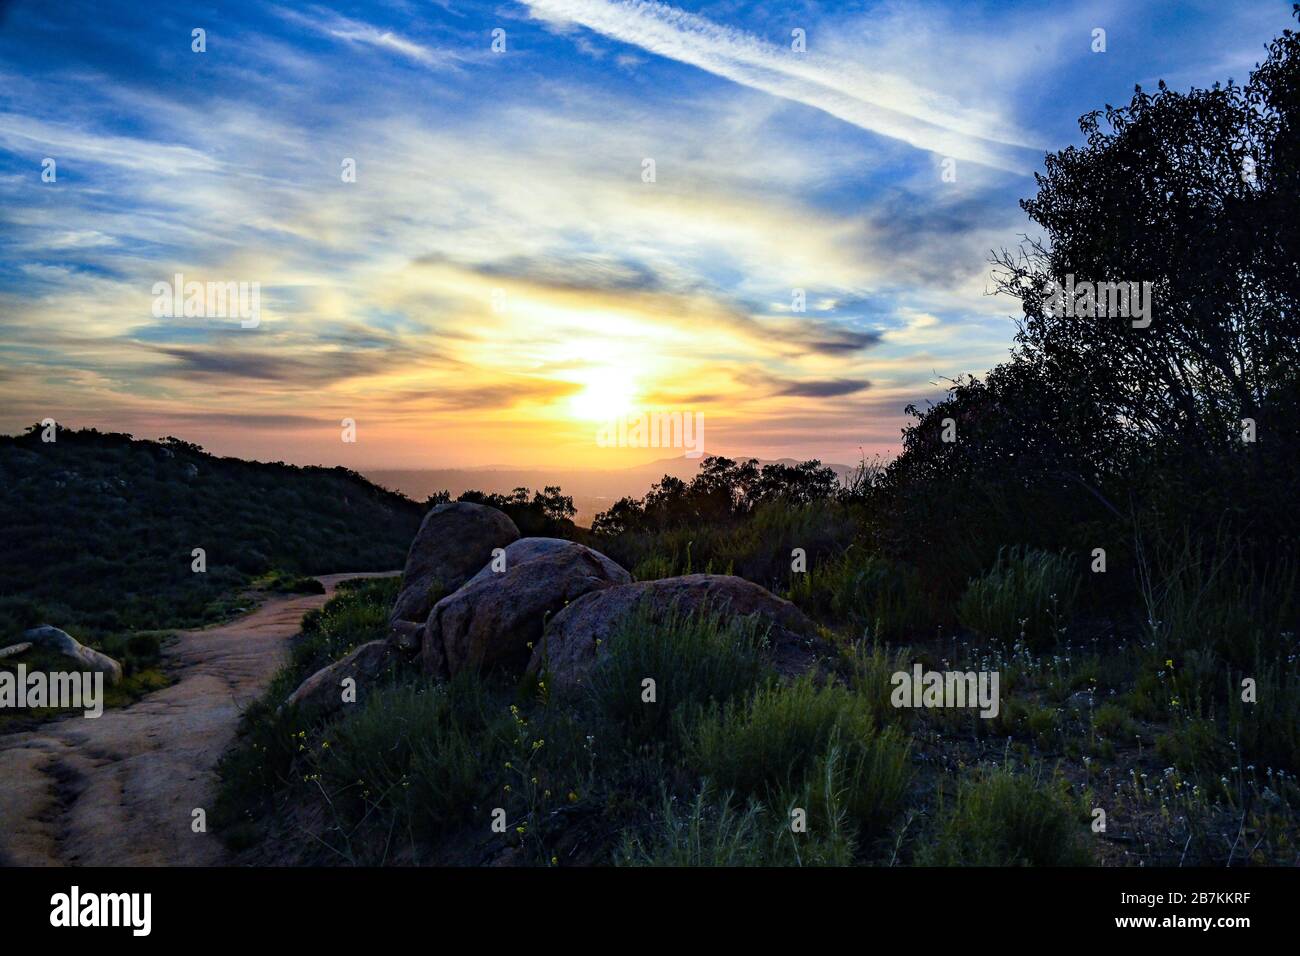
{"points": [[607, 393]]}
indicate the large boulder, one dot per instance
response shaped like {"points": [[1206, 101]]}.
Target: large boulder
{"points": [[322, 692], [581, 633], [491, 621], [82, 658], [454, 541]]}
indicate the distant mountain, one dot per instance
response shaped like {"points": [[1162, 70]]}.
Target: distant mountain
{"points": [[98, 529], [593, 490]]}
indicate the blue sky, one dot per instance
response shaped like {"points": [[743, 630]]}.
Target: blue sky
{"points": [[500, 274]]}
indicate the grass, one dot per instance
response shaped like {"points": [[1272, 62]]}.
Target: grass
{"points": [[730, 766], [1027, 597], [821, 742], [356, 615], [286, 582], [416, 759], [111, 552], [694, 660], [1003, 818], [709, 832], [868, 592]]}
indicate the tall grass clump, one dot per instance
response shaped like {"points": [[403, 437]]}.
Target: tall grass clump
{"points": [[707, 832], [1028, 596], [871, 670], [1003, 818], [867, 591], [801, 738], [1204, 594], [413, 758], [1267, 730], [695, 659]]}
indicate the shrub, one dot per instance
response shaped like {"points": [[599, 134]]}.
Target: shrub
{"points": [[144, 646], [1028, 594], [714, 832], [694, 659], [285, 582], [755, 545], [773, 742], [17, 614], [1007, 819], [354, 616], [1268, 730], [1192, 744], [869, 592], [1112, 722], [413, 757]]}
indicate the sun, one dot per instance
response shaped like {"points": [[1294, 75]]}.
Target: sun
{"points": [[606, 393]]}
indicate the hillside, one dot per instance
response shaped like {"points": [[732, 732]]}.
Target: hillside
{"points": [[97, 529]]}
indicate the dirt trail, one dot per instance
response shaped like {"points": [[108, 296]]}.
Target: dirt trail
{"points": [[121, 789]]}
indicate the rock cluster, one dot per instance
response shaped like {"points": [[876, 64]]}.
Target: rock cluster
{"points": [[476, 596]]}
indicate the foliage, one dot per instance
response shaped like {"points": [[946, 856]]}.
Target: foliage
{"points": [[1027, 596], [1001, 818], [97, 529], [722, 490], [548, 514]]}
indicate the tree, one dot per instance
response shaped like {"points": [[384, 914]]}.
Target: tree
{"points": [[1194, 193]]}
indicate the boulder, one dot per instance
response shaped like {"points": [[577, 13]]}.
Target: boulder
{"points": [[84, 658], [491, 621], [405, 635], [454, 541], [569, 648], [527, 550], [322, 692]]}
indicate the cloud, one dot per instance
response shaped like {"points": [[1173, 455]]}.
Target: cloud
{"points": [[834, 340], [883, 103], [500, 394], [377, 295], [827, 389], [23, 134], [220, 362], [365, 34], [272, 422]]}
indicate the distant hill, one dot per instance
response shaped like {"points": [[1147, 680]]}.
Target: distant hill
{"points": [[593, 490], [97, 529]]}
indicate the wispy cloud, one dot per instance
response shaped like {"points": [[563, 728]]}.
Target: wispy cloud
{"points": [[883, 103], [514, 180], [365, 34]]}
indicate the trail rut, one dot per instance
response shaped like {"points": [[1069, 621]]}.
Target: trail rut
{"points": [[120, 790]]}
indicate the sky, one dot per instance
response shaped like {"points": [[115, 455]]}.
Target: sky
{"points": [[480, 232]]}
